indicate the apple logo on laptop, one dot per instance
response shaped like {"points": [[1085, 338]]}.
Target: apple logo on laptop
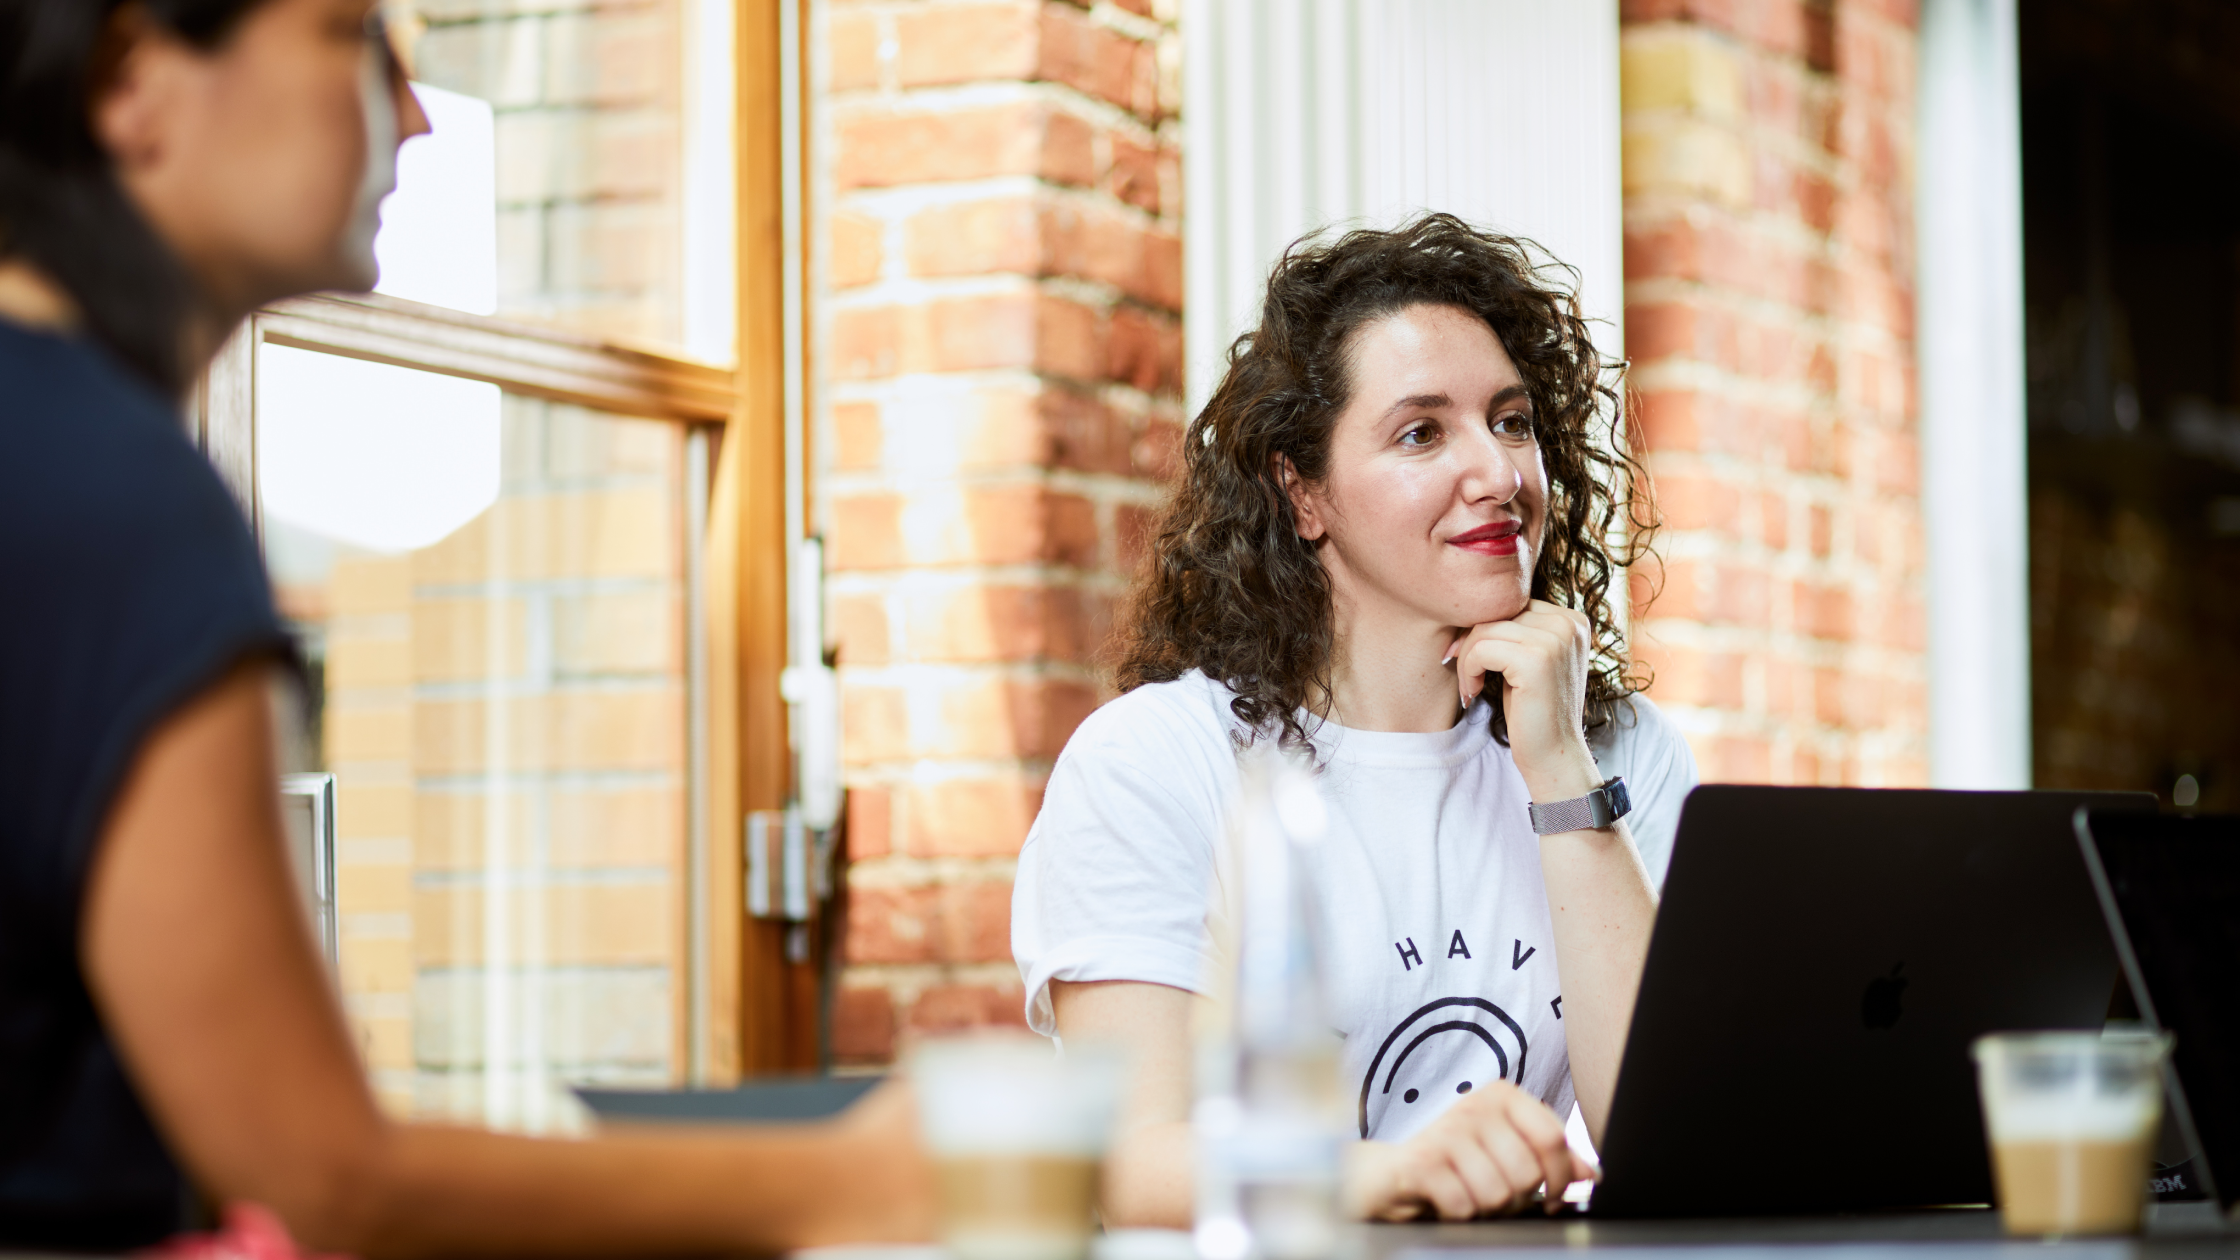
{"points": [[1879, 1007]]}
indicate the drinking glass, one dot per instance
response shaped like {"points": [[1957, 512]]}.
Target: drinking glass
{"points": [[1016, 1130], [2072, 1118]]}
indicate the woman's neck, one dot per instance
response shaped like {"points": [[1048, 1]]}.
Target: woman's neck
{"points": [[29, 298], [1387, 674]]}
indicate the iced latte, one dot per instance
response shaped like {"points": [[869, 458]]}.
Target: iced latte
{"points": [[1016, 1133], [2072, 1120]]}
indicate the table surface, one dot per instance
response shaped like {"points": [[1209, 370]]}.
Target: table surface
{"points": [[2175, 1232]]}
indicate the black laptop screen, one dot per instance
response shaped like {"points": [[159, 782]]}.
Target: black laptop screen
{"points": [[2176, 882]]}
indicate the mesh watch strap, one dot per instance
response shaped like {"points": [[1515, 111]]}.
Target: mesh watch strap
{"points": [[1599, 808]]}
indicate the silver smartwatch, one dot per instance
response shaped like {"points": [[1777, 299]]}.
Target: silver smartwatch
{"points": [[1599, 808]]}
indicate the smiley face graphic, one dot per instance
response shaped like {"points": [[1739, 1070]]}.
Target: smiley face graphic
{"points": [[1445, 1049]]}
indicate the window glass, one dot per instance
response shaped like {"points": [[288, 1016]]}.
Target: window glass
{"points": [[439, 229], [491, 589], [610, 157]]}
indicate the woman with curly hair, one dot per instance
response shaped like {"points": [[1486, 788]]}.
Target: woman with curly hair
{"points": [[1392, 548]]}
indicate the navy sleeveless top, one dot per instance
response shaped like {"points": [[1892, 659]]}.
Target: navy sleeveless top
{"points": [[128, 583]]}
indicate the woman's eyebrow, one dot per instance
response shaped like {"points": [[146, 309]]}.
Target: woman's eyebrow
{"points": [[1511, 394], [1413, 401]]}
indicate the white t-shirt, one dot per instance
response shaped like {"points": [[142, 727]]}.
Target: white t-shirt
{"points": [[1440, 955]]}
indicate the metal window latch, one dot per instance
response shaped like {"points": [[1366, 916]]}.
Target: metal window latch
{"points": [[781, 857], [307, 802], [789, 852], [812, 687]]}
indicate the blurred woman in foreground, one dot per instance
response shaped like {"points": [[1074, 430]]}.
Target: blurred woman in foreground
{"points": [[166, 1027]]}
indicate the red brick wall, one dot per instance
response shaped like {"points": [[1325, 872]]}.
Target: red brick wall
{"points": [[2135, 613], [1002, 357], [1769, 310]]}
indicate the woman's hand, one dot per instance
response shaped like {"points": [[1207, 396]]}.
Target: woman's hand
{"points": [[1483, 1157], [1541, 655]]}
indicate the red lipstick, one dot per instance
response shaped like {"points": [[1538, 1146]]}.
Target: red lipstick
{"points": [[1497, 539]]}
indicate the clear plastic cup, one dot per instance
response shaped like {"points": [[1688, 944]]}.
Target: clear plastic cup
{"points": [[1017, 1132], [2072, 1118]]}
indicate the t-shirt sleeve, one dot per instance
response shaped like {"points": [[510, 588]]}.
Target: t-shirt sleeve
{"points": [[1648, 751], [1116, 877], [141, 585], [133, 583]]}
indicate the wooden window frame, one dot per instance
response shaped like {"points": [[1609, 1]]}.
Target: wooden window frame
{"points": [[730, 1015], [761, 510], [519, 358], [758, 1012]]}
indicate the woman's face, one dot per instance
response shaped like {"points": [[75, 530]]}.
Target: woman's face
{"points": [[251, 159], [1436, 497]]}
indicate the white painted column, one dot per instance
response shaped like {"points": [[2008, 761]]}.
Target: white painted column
{"points": [[1968, 222], [1303, 114]]}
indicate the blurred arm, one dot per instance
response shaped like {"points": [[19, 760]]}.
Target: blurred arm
{"points": [[1150, 1175], [203, 965]]}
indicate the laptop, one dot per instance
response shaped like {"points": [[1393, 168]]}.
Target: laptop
{"points": [[1821, 961], [2170, 889]]}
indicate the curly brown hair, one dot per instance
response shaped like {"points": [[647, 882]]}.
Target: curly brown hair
{"points": [[1232, 590]]}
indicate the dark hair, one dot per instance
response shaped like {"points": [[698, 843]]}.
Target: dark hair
{"points": [[61, 207], [1231, 590]]}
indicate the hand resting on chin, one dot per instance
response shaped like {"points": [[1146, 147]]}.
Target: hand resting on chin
{"points": [[1541, 656]]}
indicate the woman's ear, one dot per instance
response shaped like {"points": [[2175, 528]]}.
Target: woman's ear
{"points": [[1305, 508], [137, 76]]}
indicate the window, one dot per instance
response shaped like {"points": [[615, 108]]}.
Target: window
{"points": [[527, 519], [612, 186], [494, 563], [495, 588]]}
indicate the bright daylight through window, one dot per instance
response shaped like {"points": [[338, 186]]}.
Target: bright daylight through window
{"points": [[492, 587]]}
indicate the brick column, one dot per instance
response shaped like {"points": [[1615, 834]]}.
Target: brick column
{"points": [[1767, 168], [1002, 359]]}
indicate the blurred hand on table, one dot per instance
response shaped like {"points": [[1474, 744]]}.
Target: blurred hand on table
{"points": [[1484, 1157]]}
